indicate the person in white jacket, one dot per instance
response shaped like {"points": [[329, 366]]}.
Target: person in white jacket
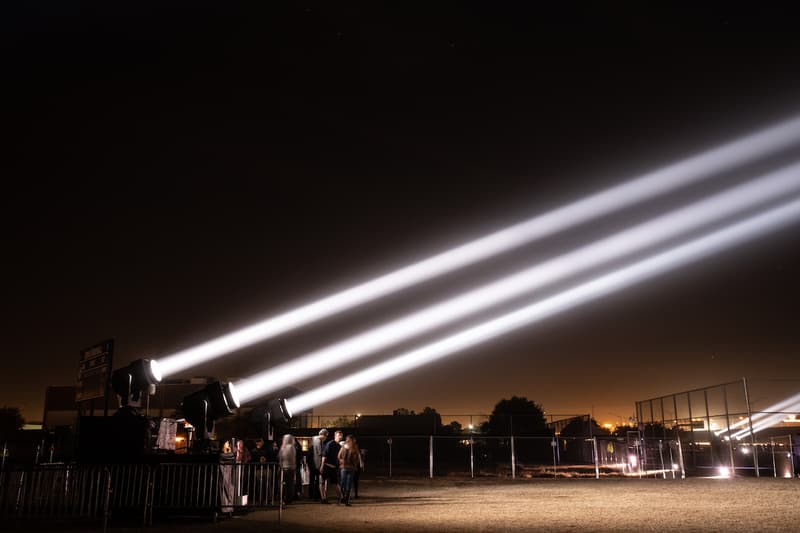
{"points": [[287, 459]]}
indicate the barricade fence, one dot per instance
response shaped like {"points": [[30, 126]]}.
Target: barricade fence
{"points": [[136, 492], [140, 492], [558, 456]]}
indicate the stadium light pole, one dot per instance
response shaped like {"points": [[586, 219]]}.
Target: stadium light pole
{"points": [[716, 208], [604, 285], [666, 179]]}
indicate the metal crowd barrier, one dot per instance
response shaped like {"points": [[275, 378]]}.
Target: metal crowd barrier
{"points": [[56, 492], [136, 492]]}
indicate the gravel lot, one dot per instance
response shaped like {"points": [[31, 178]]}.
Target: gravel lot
{"points": [[555, 505], [445, 505]]}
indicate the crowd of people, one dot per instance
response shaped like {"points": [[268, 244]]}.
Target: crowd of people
{"points": [[331, 467]]}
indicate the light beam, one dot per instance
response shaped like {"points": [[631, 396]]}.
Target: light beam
{"points": [[747, 196], [661, 263], [691, 170], [767, 417]]}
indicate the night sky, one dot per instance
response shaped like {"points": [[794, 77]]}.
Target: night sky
{"points": [[174, 173]]}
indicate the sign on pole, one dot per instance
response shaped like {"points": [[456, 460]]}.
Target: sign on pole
{"points": [[94, 371]]}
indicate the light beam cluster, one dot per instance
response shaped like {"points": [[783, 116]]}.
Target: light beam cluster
{"points": [[604, 285], [747, 196], [664, 180], [727, 218]]}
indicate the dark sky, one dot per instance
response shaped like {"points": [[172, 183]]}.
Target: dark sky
{"points": [[173, 173]]}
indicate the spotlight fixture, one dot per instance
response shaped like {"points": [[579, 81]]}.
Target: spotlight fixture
{"points": [[278, 411], [130, 381], [204, 407]]}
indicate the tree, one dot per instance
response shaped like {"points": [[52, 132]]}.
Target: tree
{"points": [[454, 428], [517, 416], [11, 421], [343, 421], [579, 427]]}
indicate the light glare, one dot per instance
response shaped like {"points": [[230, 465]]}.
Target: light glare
{"points": [[155, 370], [769, 187], [622, 278], [661, 181]]}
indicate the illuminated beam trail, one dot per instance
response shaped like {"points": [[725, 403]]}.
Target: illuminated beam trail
{"points": [[768, 417], [670, 178], [747, 196], [655, 265], [792, 403]]}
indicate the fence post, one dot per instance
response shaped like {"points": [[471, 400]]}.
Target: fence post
{"points": [[280, 499], [471, 458], [513, 460], [791, 455], [554, 445], [750, 423], [661, 455], [728, 423], [430, 460], [389, 441], [596, 459], [151, 492], [680, 453], [772, 445], [18, 504], [107, 500]]}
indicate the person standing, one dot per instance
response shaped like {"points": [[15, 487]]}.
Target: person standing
{"points": [[317, 444], [259, 453], [329, 468], [357, 474], [349, 461], [288, 462], [298, 478], [242, 453]]}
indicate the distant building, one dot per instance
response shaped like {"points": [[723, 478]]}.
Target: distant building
{"points": [[60, 408], [400, 424]]}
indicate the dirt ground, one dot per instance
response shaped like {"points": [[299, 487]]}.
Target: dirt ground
{"points": [[618, 505], [557, 505]]}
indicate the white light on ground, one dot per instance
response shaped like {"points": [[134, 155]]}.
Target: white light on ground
{"points": [[747, 196], [622, 278], [661, 181]]}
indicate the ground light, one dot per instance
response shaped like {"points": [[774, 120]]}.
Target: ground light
{"points": [[702, 166], [129, 382], [661, 263], [713, 209]]}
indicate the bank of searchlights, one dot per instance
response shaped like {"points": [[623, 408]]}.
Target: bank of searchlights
{"points": [[129, 382]]}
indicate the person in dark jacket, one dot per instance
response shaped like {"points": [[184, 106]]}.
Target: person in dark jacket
{"points": [[329, 469]]}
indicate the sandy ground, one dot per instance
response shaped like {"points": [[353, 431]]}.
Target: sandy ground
{"points": [[560, 505], [618, 505]]}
